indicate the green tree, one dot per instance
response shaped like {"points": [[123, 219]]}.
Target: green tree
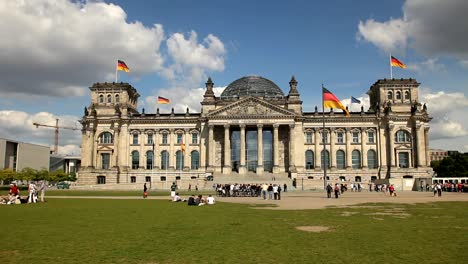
{"points": [[452, 166], [7, 175], [58, 176]]}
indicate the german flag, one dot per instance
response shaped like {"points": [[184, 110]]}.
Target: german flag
{"points": [[396, 63], [162, 100], [330, 101], [182, 147], [121, 66]]}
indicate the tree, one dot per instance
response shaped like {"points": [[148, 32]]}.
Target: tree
{"points": [[452, 166], [7, 175], [58, 176], [28, 174]]}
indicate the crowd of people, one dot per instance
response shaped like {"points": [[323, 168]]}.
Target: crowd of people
{"points": [[36, 192], [272, 191]]}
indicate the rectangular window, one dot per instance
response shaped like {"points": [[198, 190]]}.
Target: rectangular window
{"points": [[147, 179], [135, 139], [309, 137], [164, 138], [132, 179], [355, 137], [150, 139], [194, 138], [179, 138], [371, 137], [105, 158], [340, 137], [324, 137], [403, 158]]}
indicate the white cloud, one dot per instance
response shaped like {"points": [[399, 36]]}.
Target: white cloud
{"points": [[18, 125], [431, 65], [59, 47], [431, 27]]}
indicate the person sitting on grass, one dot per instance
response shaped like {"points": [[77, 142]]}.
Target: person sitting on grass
{"points": [[210, 200], [191, 200], [176, 198], [200, 200]]}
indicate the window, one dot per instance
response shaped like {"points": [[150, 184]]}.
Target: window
{"points": [[106, 138], [149, 160], [179, 138], [355, 137], [150, 139], [324, 137], [164, 160], [325, 158], [101, 98], [371, 136], [407, 95], [308, 137], [309, 157], [372, 159], [356, 159], [340, 137], [132, 179], [105, 161], [195, 160], [179, 160], [373, 178], [398, 95], [389, 95], [101, 179], [342, 178], [340, 160], [135, 139], [109, 98], [402, 136], [163, 178], [403, 158], [135, 159], [357, 179], [117, 98], [147, 179], [194, 138], [164, 138]]}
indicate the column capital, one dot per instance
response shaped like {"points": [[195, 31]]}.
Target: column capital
{"points": [[275, 126], [242, 126], [363, 129], [186, 130], [291, 126], [259, 126], [210, 126], [348, 129], [227, 126]]}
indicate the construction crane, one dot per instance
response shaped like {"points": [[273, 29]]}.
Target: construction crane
{"points": [[57, 127]]}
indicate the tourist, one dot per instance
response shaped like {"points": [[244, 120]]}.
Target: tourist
{"points": [[264, 190], [329, 190], [285, 187], [191, 200], [439, 189], [42, 188], [210, 200], [14, 189], [337, 190], [32, 193], [145, 191], [173, 189], [391, 188], [279, 192], [275, 191], [270, 192], [199, 200], [176, 198]]}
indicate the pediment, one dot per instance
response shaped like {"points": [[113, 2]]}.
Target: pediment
{"points": [[251, 108], [105, 148]]}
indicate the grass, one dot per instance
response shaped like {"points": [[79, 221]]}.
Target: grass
{"points": [[137, 193], [156, 231]]}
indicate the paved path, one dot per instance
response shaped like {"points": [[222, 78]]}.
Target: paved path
{"points": [[317, 200]]}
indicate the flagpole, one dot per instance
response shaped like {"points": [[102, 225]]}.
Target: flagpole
{"points": [[391, 70], [323, 142], [116, 71]]}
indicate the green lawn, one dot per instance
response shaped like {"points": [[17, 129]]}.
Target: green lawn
{"points": [[68, 192], [156, 231]]}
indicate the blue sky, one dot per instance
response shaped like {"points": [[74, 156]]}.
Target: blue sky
{"points": [[53, 52]]}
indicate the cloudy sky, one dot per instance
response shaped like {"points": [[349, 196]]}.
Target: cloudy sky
{"points": [[53, 50]]}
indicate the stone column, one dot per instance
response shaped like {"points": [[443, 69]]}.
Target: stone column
{"points": [[275, 149], [317, 150], [391, 149], [260, 149], [292, 149], [171, 149], [203, 148], [187, 152], [349, 139], [142, 149], [242, 168], [211, 145], [332, 149], [115, 154], [227, 151], [426, 146], [363, 148], [156, 154]]}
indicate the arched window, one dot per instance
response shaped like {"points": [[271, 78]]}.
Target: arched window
{"points": [[340, 159], [325, 158], [135, 138], [402, 136], [309, 157], [106, 138], [195, 160], [164, 160], [357, 179], [390, 95], [117, 98], [101, 179], [109, 98], [398, 95], [356, 159], [149, 160], [407, 95], [371, 159], [179, 160], [101, 98], [308, 136], [135, 159]]}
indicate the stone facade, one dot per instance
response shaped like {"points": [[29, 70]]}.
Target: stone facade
{"points": [[261, 133]]}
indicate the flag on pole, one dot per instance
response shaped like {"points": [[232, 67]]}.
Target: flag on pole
{"points": [[330, 101], [396, 63], [182, 147], [355, 100], [121, 66], [162, 100]]}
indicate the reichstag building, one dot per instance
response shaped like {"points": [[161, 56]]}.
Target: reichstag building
{"points": [[255, 131]]}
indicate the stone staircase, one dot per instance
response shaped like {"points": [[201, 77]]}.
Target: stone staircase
{"points": [[253, 178]]}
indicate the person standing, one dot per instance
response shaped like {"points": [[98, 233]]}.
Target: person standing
{"points": [[173, 189], [32, 198], [42, 188], [145, 191], [337, 190], [329, 191], [285, 188], [439, 189]]}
